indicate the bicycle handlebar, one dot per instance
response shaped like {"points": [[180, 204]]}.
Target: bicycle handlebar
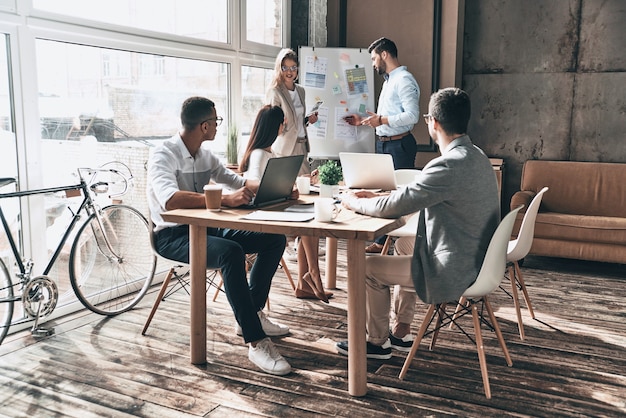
{"points": [[96, 187], [100, 187]]}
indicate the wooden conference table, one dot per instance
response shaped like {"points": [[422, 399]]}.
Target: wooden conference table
{"points": [[355, 228]]}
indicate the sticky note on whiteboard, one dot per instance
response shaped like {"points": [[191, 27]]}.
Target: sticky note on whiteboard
{"points": [[336, 89]]}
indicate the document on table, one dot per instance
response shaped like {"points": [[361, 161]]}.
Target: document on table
{"points": [[306, 208], [275, 215]]}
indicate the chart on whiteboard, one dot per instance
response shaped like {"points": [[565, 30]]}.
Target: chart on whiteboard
{"points": [[342, 79]]}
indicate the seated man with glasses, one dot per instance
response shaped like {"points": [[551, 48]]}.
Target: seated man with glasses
{"points": [[177, 172]]}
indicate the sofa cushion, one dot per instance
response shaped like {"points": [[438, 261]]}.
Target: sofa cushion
{"points": [[599, 229], [578, 188], [579, 250]]}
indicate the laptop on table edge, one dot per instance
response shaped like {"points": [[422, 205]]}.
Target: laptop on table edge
{"points": [[364, 170], [277, 181]]}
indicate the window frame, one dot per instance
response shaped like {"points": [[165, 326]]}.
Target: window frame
{"points": [[251, 46], [24, 25]]}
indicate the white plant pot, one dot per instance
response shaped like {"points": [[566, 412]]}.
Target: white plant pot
{"points": [[327, 190]]}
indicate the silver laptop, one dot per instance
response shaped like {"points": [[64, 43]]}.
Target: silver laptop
{"points": [[277, 181], [368, 170]]}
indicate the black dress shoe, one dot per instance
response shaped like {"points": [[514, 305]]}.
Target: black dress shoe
{"points": [[378, 352]]}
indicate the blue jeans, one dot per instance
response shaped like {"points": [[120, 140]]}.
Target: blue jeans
{"points": [[226, 250], [403, 152]]}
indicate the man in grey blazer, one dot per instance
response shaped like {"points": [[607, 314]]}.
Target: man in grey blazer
{"points": [[457, 196]]}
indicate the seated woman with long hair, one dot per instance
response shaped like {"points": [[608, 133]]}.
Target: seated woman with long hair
{"points": [[268, 125]]}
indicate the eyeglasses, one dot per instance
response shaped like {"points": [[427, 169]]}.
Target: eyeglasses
{"points": [[286, 68], [427, 117], [218, 120]]}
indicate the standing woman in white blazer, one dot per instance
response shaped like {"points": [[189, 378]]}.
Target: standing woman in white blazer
{"points": [[293, 140], [284, 92]]}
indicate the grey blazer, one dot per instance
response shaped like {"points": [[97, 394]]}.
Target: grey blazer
{"points": [[457, 194], [285, 144]]}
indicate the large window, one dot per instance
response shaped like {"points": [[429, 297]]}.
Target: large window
{"points": [[8, 155], [95, 81], [120, 96], [264, 22], [193, 18], [255, 82]]}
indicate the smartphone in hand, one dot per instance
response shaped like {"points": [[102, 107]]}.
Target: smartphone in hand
{"points": [[316, 107]]}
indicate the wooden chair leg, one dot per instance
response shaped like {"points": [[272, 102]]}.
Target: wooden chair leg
{"points": [[287, 273], [386, 245], [420, 334], [481, 351], [219, 287], [518, 310], [283, 264], [441, 312], [462, 301], [496, 328], [520, 280], [157, 302]]}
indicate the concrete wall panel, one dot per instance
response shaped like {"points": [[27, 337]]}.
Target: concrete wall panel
{"points": [[520, 117], [599, 118], [561, 89], [603, 36], [504, 36]]}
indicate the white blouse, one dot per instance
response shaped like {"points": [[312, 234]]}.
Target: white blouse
{"points": [[256, 164]]}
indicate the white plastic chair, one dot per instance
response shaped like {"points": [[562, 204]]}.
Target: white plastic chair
{"points": [[517, 249], [181, 280], [403, 176], [489, 278]]}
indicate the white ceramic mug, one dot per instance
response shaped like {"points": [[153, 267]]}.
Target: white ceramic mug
{"points": [[213, 196], [325, 209], [303, 184]]}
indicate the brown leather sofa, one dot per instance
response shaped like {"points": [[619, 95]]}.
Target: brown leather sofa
{"points": [[583, 215]]}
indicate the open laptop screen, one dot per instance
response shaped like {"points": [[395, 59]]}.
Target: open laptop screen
{"points": [[277, 180], [368, 170]]}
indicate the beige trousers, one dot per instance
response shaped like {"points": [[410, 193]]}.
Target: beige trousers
{"points": [[382, 272]]}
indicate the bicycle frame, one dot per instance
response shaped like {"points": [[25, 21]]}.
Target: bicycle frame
{"points": [[102, 239], [86, 203]]}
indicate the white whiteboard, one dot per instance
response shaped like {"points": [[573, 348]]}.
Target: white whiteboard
{"points": [[343, 78]]}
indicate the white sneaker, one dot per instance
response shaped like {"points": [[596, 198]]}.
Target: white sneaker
{"points": [[291, 255], [266, 356], [271, 329]]}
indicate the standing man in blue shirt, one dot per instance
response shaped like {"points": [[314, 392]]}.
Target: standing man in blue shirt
{"points": [[398, 112]]}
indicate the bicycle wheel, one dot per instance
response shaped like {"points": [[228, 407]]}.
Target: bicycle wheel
{"points": [[112, 263], [6, 301]]}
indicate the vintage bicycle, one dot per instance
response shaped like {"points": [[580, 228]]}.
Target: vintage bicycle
{"points": [[111, 263]]}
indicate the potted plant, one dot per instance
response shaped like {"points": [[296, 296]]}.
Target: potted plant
{"points": [[232, 149], [330, 175]]}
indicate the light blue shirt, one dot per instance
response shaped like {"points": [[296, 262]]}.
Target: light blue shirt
{"points": [[399, 102]]}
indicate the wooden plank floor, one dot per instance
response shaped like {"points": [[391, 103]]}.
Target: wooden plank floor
{"points": [[572, 363]]}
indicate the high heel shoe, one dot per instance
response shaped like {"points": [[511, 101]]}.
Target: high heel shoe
{"points": [[316, 286], [307, 290], [304, 294]]}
